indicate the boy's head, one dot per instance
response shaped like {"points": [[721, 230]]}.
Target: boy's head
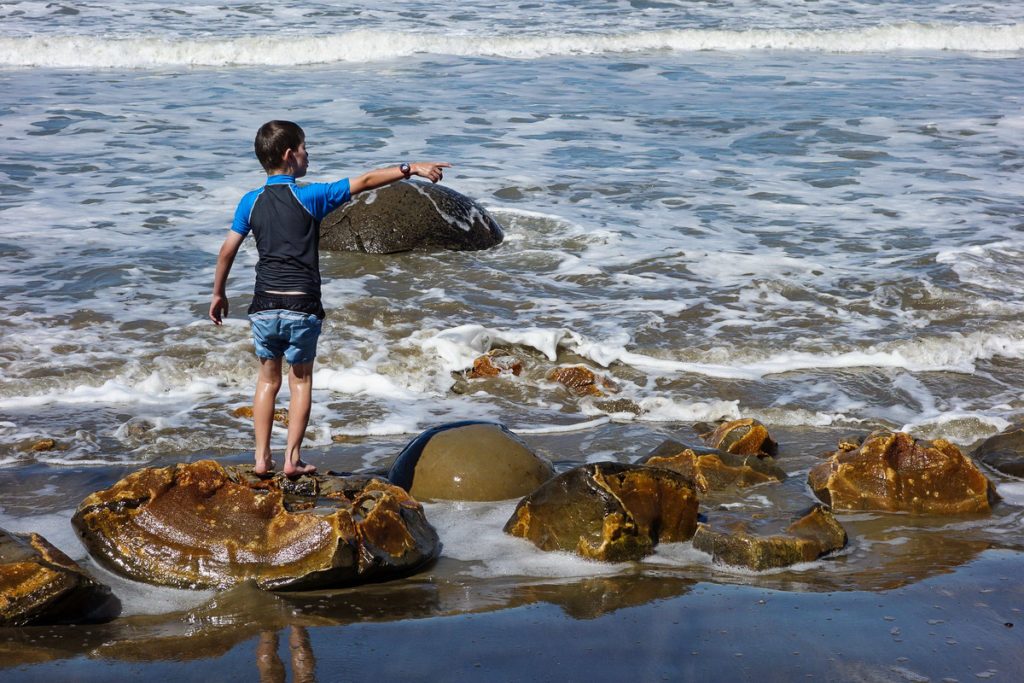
{"points": [[273, 139]]}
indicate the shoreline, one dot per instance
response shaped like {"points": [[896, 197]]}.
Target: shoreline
{"points": [[934, 599]]}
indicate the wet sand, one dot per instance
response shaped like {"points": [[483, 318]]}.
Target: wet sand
{"points": [[910, 599]]}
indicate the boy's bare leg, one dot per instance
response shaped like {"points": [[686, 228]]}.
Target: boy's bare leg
{"points": [[268, 383], [300, 383]]}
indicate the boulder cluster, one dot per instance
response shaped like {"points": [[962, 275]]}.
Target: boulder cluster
{"points": [[204, 525]]}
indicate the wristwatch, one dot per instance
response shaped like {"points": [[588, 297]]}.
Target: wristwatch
{"points": [[405, 169]]}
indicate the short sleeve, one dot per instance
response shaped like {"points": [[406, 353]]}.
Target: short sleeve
{"points": [[322, 198], [241, 222]]}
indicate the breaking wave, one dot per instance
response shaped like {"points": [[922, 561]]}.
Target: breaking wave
{"points": [[73, 51]]}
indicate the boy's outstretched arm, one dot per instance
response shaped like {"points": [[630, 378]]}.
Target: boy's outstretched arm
{"points": [[383, 176], [225, 259]]}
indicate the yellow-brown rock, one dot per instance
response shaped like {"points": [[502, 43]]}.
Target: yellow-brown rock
{"points": [[493, 363], [742, 437], [581, 380], [892, 471], [469, 461], [712, 470], [41, 585], [280, 415], [199, 525], [750, 543], [608, 511]]}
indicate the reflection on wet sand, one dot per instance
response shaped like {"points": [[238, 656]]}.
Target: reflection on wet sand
{"points": [[268, 658]]}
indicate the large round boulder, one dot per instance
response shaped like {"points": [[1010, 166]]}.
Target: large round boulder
{"points": [[608, 511], [409, 215], [1003, 452], [41, 585], [469, 461], [199, 525], [892, 471]]}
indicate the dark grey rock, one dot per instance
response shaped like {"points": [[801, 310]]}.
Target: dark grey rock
{"points": [[406, 216]]}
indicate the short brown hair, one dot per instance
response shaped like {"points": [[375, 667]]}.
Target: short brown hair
{"points": [[273, 139]]}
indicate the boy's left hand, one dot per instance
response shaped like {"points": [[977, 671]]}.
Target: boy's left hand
{"points": [[429, 170]]}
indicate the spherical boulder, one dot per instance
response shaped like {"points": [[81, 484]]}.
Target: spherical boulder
{"points": [[1003, 452], [409, 215], [469, 461], [199, 525]]}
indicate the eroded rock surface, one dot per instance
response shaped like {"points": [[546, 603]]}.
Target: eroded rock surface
{"points": [[469, 461], [761, 544], [581, 380], [495, 362], [409, 215], [608, 511], [41, 585], [1003, 452], [199, 525], [892, 471], [712, 469], [742, 437]]}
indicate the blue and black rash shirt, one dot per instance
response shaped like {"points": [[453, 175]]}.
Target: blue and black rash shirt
{"points": [[284, 218]]}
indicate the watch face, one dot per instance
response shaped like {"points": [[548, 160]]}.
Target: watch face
{"points": [[405, 168]]}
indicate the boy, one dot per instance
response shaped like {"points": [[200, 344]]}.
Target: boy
{"points": [[286, 311]]}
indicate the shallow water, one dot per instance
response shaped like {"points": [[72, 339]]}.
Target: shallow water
{"points": [[803, 213]]}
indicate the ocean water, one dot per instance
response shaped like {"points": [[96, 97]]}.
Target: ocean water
{"points": [[804, 212]]}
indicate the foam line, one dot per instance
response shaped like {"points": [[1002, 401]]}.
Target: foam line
{"points": [[70, 51]]}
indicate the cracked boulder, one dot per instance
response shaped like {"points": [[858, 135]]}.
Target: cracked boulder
{"points": [[608, 511], [742, 437], [892, 471], [41, 585], [760, 543], [199, 525], [711, 469]]}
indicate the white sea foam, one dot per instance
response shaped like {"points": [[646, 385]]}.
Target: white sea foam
{"points": [[472, 532], [459, 346], [83, 51]]}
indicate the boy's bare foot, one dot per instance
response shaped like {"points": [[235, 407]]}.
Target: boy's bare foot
{"points": [[263, 467], [298, 468]]}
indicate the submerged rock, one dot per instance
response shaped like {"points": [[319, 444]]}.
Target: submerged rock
{"points": [[409, 215], [742, 437], [892, 471], [495, 362], [712, 469], [608, 511], [1003, 452], [199, 525], [760, 545], [469, 461], [41, 585], [581, 380]]}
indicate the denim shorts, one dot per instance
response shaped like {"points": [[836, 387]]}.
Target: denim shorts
{"points": [[279, 332]]}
